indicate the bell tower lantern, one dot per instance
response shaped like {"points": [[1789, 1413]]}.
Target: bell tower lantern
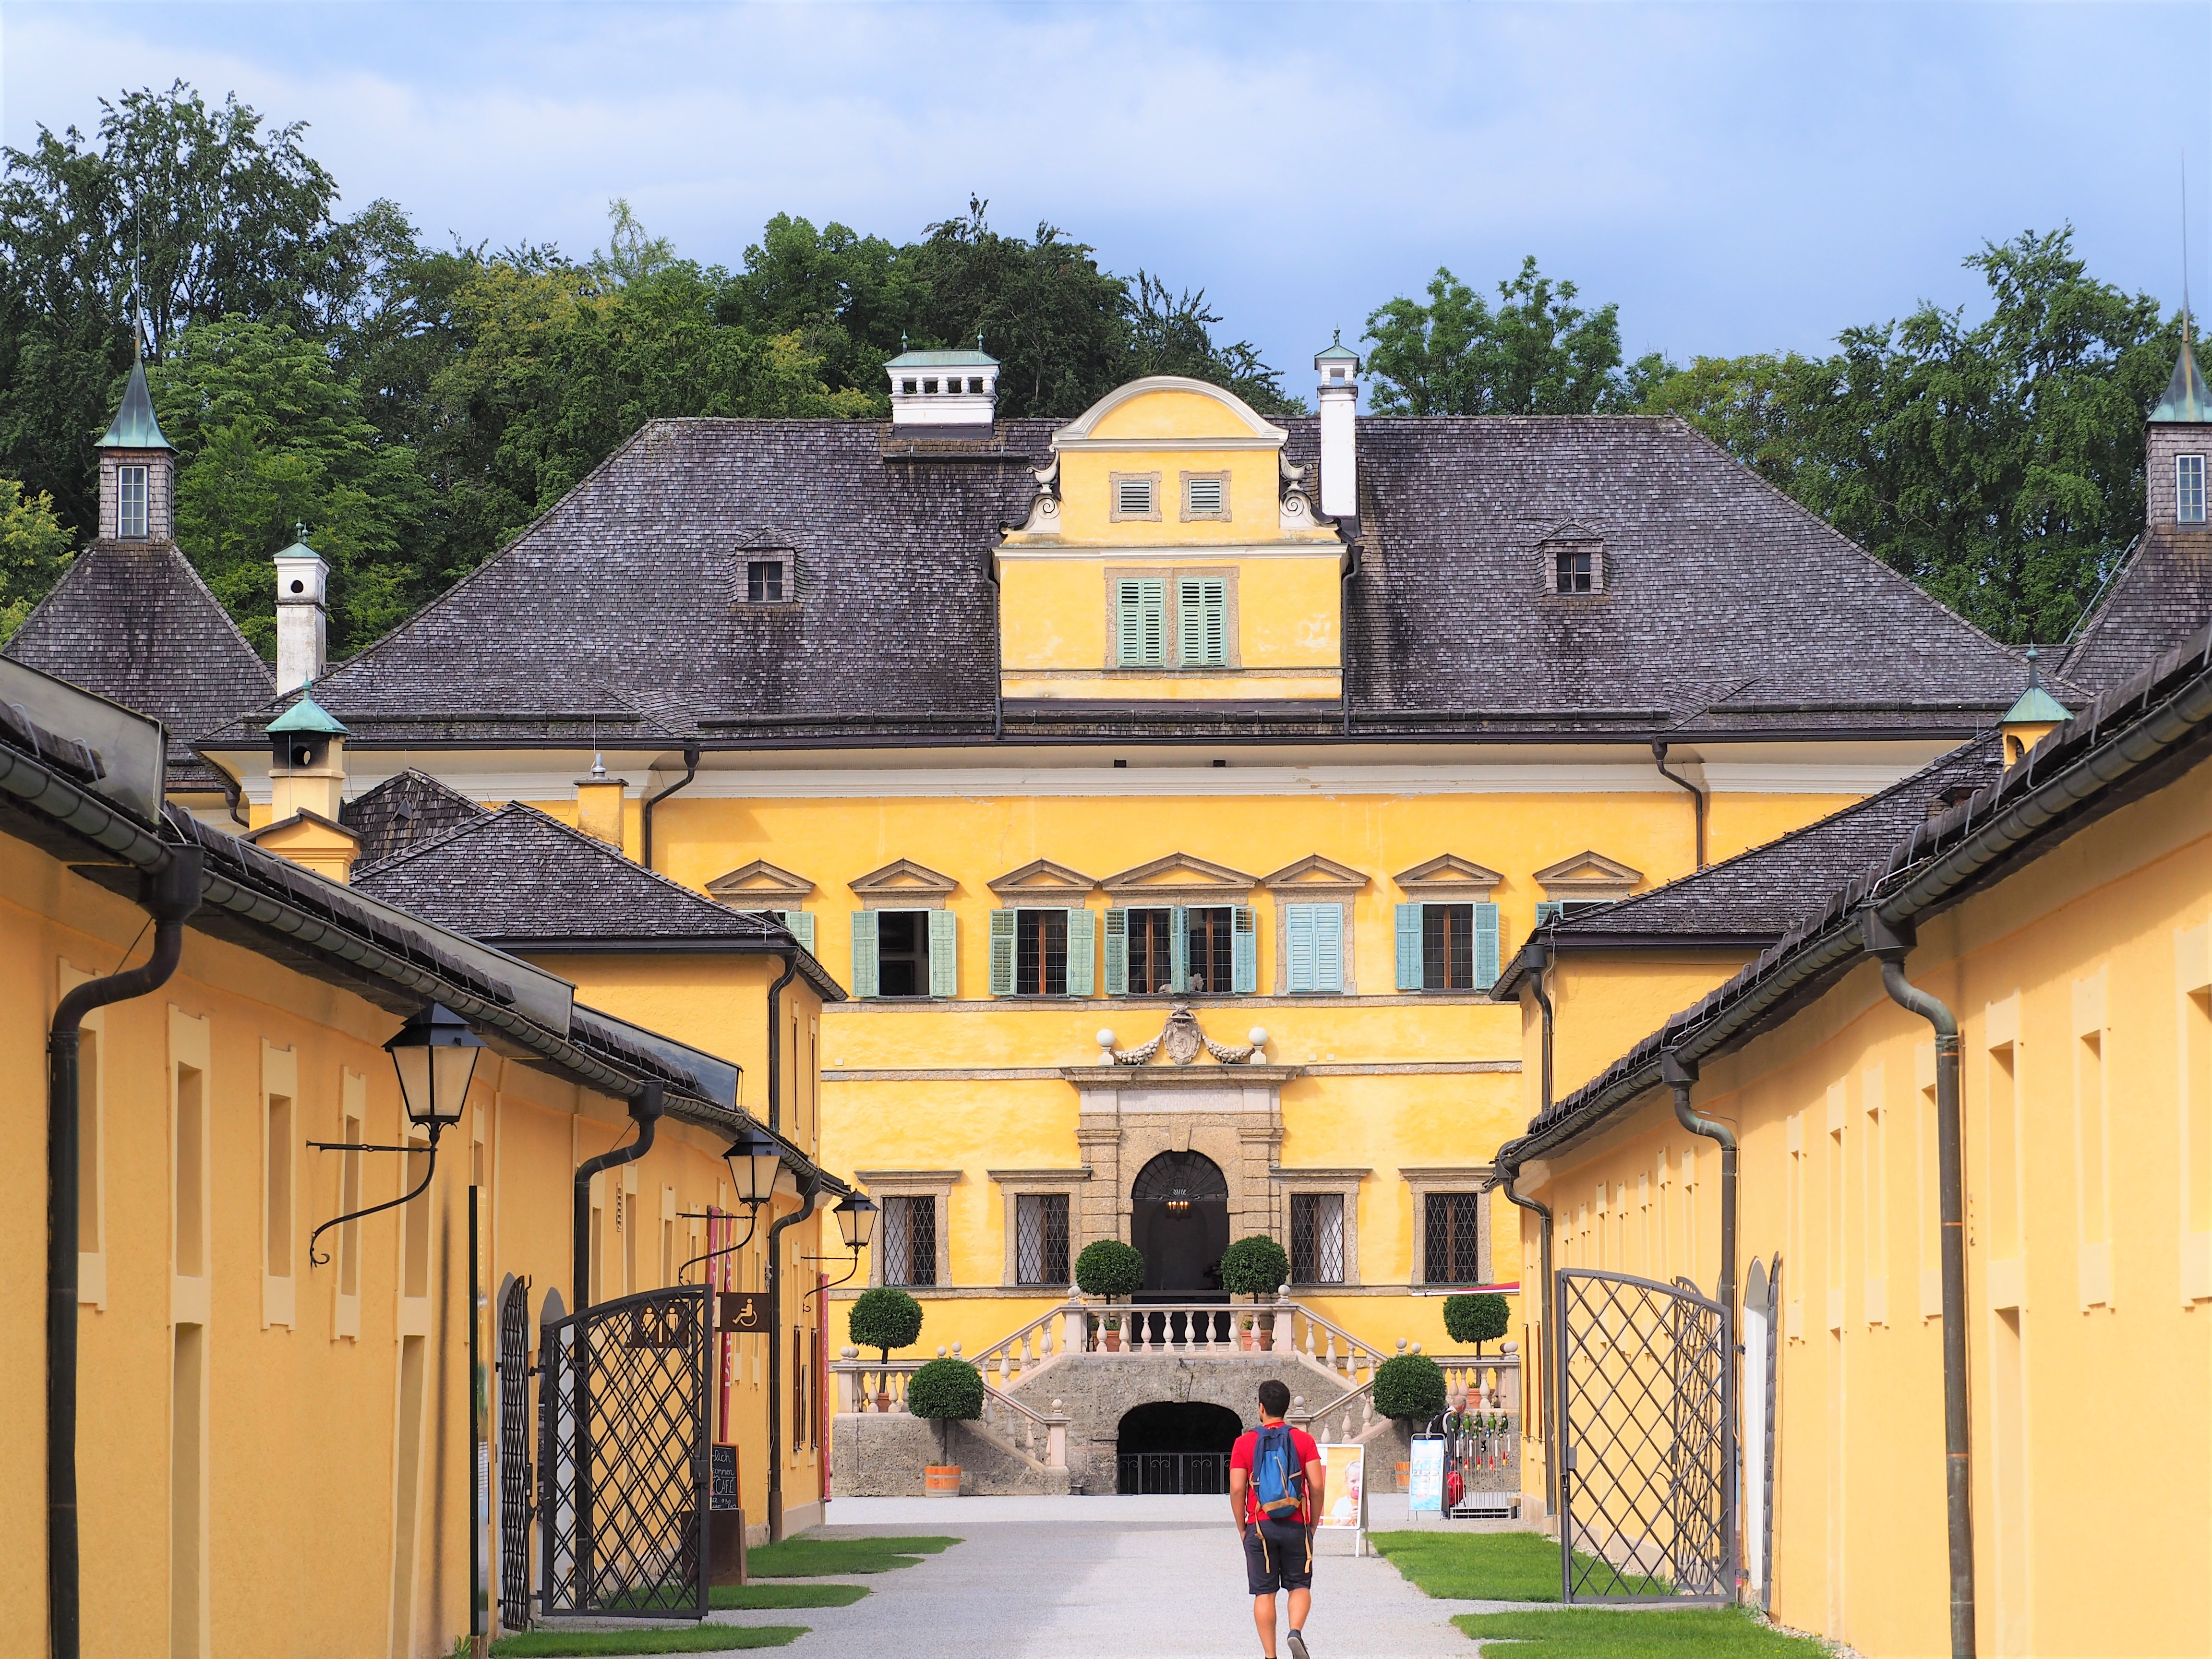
{"points": [[137, 468]]}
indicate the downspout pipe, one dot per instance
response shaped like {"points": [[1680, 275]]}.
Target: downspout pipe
{"points": [[1697, 796], [645, 1111], [1679, 1074], [774, 1037], [1889, 942], [645, 812], [808, 1192], [170, 892], [1509, 1171], [1544, 1004]]}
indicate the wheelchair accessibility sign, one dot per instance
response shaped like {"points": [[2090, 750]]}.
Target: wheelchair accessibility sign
{"points": [[741, 1311]]}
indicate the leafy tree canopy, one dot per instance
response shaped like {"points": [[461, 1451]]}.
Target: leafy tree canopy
{"points": [[1410, 1386], [882, 1318], [1254, 1266], [1109, 1268], [35, 550]]}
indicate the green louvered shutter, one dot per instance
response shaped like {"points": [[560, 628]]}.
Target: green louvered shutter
{"points": [[1004, 926], [1549, 910], [1486, 946], [801, 924], [864, 981], [1244, 958], [1082, 951], [1409, 947], [943, 953], [1328, 947], [1179, 948], [1202, 621], [1140, 605], [1117, 953], [1298, 947]]}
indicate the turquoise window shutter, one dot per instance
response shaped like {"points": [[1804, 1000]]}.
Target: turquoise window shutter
{"points": [[1486, 946], [864, 981], [1297, 947], [1549, 910], [1003, 925], [1244, 940], [1328, 947], [1202, 621], [1179, 948], [1117, 953], [1082, 951], [1409, 947], [801, 924], [1140, 606], [944, 954]]}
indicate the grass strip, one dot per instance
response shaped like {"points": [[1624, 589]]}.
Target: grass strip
{"points": [[1601, 1633], [754, 1597], [684, 1639], [824, 1558], [1487, 1566]]}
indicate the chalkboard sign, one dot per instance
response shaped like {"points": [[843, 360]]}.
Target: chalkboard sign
{"points": [[723, 1492]]}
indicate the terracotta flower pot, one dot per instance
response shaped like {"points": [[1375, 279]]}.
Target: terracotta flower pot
{"points": [[1248, 1340], [1267, 1339], [1112, 1339], [883, 1403], [941, 1480]]}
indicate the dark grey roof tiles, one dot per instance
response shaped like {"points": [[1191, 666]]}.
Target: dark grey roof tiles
{"points": [[134, 622], [2162, 597], [1726, 606], [406, 808]]}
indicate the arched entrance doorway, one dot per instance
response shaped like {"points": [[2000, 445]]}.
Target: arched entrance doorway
{"points": [[1179, 1219], [1176, 1446]]}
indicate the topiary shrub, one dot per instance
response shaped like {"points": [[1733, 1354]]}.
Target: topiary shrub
{"points": [[1478, 1318], [1254, 1266], [1109, 1268], [1410, 1386], [883, 1318], [946, 1391]]}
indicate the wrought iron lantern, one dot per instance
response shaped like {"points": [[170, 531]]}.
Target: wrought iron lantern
{"points": [[856, 1220], [435, 1054], [756, 1159]]}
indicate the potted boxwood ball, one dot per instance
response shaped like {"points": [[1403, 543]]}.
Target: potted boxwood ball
{"points": [[1479, 1317], [1109, 1268], [1255, 1266], [944, 1391], [1409, 1389], [883, 1318]]}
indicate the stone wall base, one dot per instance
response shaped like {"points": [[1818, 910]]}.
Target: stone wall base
{"points": [[882, 1455]]}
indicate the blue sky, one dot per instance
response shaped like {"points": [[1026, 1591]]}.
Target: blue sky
{"points": [[1737, 177]]}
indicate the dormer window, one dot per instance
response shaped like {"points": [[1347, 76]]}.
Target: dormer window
{"points": [[130, 502], [763, 581], [1573, 572], [2189, 489], [1573, 564], [764, 573]]}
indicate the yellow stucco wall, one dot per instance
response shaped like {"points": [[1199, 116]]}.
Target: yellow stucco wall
{"points": [[2083, 985]]}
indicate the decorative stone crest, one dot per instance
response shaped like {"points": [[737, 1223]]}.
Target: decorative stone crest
{"points": [[1180, 1040]]}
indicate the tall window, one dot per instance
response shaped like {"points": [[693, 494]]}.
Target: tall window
{"points": [[1213, 953], [1452, 1235], [1151, 952], [903, 953], [907, 1247], [130, 502], [1212, 949], [1446, 947], [2188, 489], [1040, 1239], [1202, 622], [1141, 621], [1041, 953], [1313, 947], [1317, 1238]]}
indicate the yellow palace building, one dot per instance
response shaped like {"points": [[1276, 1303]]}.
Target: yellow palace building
{"points": [[1168, 788]]}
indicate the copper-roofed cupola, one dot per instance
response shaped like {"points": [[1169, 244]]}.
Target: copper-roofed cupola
{"points": [[953, 392], [137, 466], [2177, 440]]}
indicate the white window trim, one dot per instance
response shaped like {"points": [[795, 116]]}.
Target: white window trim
{"points": [[2179, 462]]}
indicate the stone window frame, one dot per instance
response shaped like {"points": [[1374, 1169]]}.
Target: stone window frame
{"points": [[748, 556], [1014, 1184], [1114, 513], [936, 1184], [1460, 1178], [1345, 1184], [1183, 481], [1295, 884], [1172, 578]]}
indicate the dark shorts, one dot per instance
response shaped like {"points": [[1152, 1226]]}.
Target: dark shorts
{"points": [[1276, 1560]]}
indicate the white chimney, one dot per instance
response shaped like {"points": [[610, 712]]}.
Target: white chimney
{"points": [[303, 583], [934, 391], [1339, 368]]}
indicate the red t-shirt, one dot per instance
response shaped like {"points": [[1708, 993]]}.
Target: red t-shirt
{"points": [[1302, 1448]]}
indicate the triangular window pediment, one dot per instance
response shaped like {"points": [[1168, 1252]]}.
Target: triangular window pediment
{"points": [[903, 876], [1323, 877], [762, 883], [1180, 878], [1588, 875], [1447, 878], [1041, 878]]}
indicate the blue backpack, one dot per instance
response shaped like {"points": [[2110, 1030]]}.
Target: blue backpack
{"points": [[1278, 1482]]}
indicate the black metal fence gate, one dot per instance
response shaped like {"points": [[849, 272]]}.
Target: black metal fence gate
{"points": [[1647, 1441], [514, 1510], [624, 1477], [1150, 1474]]}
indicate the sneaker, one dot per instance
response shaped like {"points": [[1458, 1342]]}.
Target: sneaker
{"points": [[1298, 1645]]}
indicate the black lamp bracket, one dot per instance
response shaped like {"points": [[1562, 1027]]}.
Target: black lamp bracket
{"points": [[317, 1260], [752, 1225], [834, 1283]]}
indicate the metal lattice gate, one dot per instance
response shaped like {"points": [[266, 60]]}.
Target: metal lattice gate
{"points": [[1647, 1488], [515, 1511], [623, 1480]]}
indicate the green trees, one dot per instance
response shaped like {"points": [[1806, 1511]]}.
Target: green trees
{"points": [[1109, 1268], [946, 1391], [1410, 1386], [35, 550], [1254, 1266], [1479, 1317], [883, 1318]]}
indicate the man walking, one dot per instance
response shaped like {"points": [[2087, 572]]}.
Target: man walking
{"points": [[1277, 1486]]}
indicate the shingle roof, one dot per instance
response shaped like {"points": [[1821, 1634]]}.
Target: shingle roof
{"points": [[524, 881], [2161, 596], [1728, 607], [133, 622], [408, 807]]}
